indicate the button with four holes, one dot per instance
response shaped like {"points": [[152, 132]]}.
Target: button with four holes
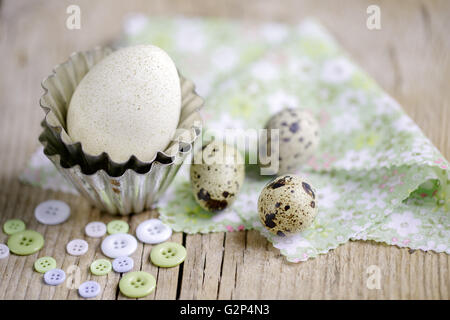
{"points": [[44, 264], [77, 247], [54, 277], [26, 242], [13, 226], [119, 245], [52, 212], [117, 226], [95, 229], [153, 231], [123, 264], [137, 284], [168, 254], [100, 267], [89, 289], [4, 251]]}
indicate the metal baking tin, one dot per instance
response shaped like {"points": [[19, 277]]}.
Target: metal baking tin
{"points": [[118, 188]]}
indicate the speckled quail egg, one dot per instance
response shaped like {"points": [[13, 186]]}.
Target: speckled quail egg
{"points": [[298, 137], [287, 205], [217, 174]]}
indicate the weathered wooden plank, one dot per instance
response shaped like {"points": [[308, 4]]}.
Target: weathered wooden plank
{"points": [[201, 270], [410, 59]]}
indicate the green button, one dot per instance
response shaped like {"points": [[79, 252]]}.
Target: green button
{"points": [[13, 226], [44, 264], [101, 267], [137, 284], [26, 242], [117, 226], [168, 254]]}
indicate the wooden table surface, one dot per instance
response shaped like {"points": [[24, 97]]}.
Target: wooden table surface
{"points": [[409, 57]]}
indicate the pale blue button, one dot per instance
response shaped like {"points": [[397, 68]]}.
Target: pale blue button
{"points": [[123, 264], [89, 289], [54, 277]]}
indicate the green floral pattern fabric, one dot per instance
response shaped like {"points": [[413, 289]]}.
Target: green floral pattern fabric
{"points": [[377, 176]]}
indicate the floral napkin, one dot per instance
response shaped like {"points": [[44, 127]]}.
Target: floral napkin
{"points": [[377, 176]]}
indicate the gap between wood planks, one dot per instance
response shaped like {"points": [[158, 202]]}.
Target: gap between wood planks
{"points": [[180, 271]]}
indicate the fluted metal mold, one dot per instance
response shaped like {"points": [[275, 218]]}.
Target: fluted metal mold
{"points": [[118, 188]]}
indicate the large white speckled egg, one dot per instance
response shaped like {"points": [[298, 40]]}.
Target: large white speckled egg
{"points": [[218, 176], [127, 104], [287, 205]]}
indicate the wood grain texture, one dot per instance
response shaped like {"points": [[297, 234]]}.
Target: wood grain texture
{"points": [[409, 57]]}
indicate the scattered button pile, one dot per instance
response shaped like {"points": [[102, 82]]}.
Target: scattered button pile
{"points": [[118, 245]]}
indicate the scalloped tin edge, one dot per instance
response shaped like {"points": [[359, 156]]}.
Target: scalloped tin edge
{"points": [[72, 154]]}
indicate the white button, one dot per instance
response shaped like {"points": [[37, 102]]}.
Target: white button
{"points": [[52, 212], [4, 251], [119, 245], [153, 231], [77, 247], [95, 229]]}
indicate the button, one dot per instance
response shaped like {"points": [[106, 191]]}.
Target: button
{"points": [[119, 245], [137, 284], [13, 226], [122, 264], [168, 254], [100, 267], [54, 277], [26, 242], [153, 231], [117, 226], [4, 251], [95, 229], [52, 212], [89, 289], [44, 264], [77, 247]]}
